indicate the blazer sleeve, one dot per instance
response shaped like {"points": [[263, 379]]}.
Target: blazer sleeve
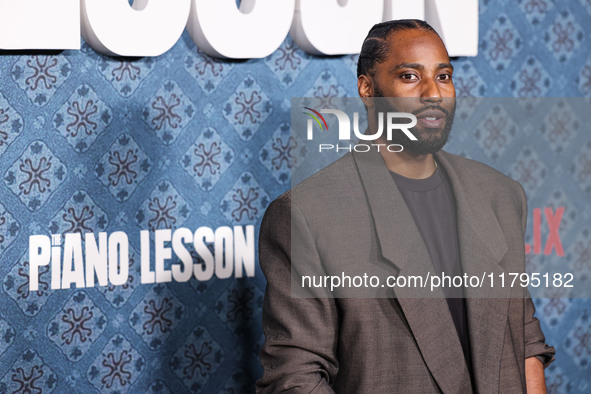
{"points": [[535, 342], [299, 352]]}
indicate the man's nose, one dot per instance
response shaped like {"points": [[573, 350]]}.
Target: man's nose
{"points": [[430, 91]]}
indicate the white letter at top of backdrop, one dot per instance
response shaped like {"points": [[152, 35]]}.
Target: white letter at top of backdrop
{"points": [[334, 27], [39, 24], [148, 28], [255, 30], [404, 9], [456, 21]]}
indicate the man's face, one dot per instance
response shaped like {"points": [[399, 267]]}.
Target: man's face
{"points": [[418, 73]]}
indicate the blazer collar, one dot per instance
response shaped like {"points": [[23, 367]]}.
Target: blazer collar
{"points": [[482, 247]]}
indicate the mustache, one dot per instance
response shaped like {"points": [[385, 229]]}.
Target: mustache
{"points": [[431, 108]]}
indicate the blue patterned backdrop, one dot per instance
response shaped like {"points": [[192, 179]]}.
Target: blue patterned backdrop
{"points": [[91, 143]]}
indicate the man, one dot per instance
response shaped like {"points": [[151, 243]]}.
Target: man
{"points": [[408, 213]]}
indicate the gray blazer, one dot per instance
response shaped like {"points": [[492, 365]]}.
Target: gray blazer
{"points": [[393, 344]]}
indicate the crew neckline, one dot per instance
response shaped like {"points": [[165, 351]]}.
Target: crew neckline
{"points": [[419, 185]]}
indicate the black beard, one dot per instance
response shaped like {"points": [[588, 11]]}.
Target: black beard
{"points": [[428, 140]]}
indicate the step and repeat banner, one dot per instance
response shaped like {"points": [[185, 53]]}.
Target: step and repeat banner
{"points": [[132, 190]]}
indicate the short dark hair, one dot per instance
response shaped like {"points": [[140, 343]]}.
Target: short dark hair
{"points": [[375, 48]]}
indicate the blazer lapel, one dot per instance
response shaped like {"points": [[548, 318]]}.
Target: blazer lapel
{"points": [[482, 247], [400, 241]]}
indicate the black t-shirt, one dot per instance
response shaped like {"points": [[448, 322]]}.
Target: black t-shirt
{"points": [[433, 208]]}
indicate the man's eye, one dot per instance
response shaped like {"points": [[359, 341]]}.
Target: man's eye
{"points": [[445, 77], [409, 77]]}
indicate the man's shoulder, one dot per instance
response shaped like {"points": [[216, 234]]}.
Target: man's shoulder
{"points": [[341, 177], [482, 171], [330, 179], [489, 180]]}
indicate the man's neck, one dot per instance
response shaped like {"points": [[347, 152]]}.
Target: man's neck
{"points": [[405, 163], [408, 164]]}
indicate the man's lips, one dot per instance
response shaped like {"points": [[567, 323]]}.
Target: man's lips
{"points": [[431, 118]]}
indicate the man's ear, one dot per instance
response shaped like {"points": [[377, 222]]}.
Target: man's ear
{"points": [[365, 89]]}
